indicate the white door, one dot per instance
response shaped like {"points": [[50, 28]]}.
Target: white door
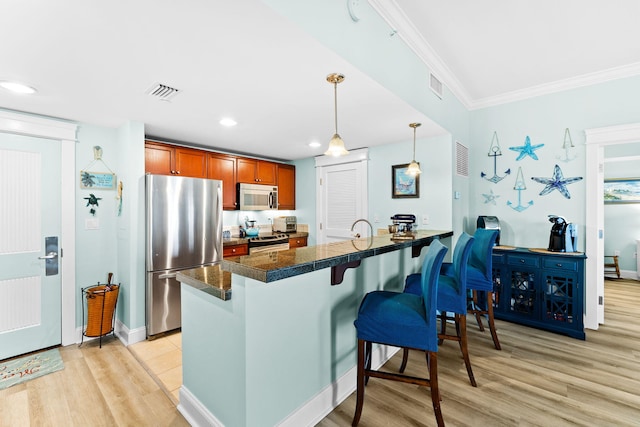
{"points": [[30, 285], [342, 199]]}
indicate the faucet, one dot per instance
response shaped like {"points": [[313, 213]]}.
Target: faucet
{"points": [[357, 235]]}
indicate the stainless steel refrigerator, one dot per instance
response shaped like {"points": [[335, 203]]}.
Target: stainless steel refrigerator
{"points": [[183, 231]]}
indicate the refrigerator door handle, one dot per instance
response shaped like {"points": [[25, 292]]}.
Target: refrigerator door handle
{"points": [[167, 276]]}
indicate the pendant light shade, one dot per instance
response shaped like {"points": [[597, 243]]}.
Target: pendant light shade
{"points": [[336, 145], [414, 167]]}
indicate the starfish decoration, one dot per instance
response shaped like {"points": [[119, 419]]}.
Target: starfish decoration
{"points": [[557, 182], [527, 149], [490, 198]]}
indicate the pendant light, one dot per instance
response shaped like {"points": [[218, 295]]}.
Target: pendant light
{"points": [[414, 168], [336, 145]]}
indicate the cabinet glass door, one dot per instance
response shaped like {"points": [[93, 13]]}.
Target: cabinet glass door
{"points": [[558, 297], [523, 293]]}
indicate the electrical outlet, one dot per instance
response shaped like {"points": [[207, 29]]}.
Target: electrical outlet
{"points": [[425, 219], [376, 218], [616, 253]]}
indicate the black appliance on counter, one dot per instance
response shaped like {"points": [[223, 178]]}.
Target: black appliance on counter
{"points": [[564, 235], [490, 223]]}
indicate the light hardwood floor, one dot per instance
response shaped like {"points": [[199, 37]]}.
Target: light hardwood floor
{"points": [[97, 387], [538, 379]]}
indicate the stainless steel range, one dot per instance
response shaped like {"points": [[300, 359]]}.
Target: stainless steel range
{"points": [[270, 243]]}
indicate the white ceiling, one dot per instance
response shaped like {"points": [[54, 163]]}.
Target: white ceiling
{"points": [[92, 62]]}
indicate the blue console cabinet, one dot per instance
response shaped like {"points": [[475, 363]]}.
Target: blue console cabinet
{"points": [[540, 289]]}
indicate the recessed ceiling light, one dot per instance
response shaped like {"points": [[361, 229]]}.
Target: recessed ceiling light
{"points": [[228, 122], [315, 144], [16, 87]]}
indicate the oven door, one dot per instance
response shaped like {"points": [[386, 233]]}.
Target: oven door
{"points": [[269, 248]]}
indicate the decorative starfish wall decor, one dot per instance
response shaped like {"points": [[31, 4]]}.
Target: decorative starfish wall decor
{"points": [[519, 186], [527, 149], [557, 182], [494, 151], [490, 198]]}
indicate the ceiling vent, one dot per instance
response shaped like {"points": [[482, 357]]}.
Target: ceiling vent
{"points": [[162, 92], [435, 85], [462, 160]]}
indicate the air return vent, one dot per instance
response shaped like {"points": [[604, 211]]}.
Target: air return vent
{"points": [[162, 92], [462, 160], [435, 85]]}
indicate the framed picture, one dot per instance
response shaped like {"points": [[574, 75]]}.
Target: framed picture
{"points": [[622, 190], [404, 185], [97, 180]]}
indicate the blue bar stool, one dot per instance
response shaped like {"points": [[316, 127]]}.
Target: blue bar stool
{"points": [[452, 298], [402, 320], [480, 279]]}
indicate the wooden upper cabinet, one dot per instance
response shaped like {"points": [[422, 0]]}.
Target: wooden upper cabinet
{"points": [[286, 187], [223, 167], [158, 158], [166, 159], [256, 171], [191, 162]]}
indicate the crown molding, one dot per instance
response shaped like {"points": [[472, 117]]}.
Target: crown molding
{"points": [[398, 20], [404, 28], [559, 86]]}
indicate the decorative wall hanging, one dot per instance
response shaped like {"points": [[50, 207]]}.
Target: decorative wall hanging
{"points": [[490, 198], [404, 185], [622, 190], [92, 201], [97, 180], [557, 182], [494, 151], [119, 198], [519, 187], [567, 145], [527, 149]]}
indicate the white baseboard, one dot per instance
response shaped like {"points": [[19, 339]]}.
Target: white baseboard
{"points": [[194, 412], [308, 414], [126, 336], [624, 274]]}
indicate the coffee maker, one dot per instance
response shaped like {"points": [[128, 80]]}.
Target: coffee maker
{"points": [[564, 235]]}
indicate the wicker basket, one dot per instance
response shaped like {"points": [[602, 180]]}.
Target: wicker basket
{"points": [[101, 305]]}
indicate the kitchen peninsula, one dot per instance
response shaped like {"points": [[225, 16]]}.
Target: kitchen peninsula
{"points": [[282, 350]]}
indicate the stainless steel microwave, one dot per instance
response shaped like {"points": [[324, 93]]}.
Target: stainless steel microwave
{"points": [[257, 197]]}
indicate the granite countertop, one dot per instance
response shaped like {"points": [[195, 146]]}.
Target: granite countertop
{"points": [[211, 279], [230, 241], [271, 266]]}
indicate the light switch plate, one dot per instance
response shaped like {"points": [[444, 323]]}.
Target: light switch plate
{"points": [[425, 219], [91, 224]]}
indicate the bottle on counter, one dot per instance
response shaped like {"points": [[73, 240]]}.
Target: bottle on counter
{"points": [[242, 232]]}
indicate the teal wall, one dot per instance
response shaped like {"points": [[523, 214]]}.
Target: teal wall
{"points": [[544, 119], [117, 246], [96, 251]]}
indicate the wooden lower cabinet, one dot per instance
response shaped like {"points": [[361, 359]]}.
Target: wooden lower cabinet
{"points": [[297, 242], [223, 167], [235, 250]]}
